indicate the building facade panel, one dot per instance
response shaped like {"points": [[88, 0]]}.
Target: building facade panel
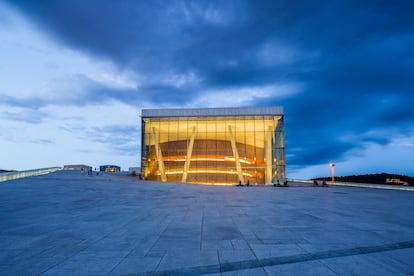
{"points": [[216, 147]]}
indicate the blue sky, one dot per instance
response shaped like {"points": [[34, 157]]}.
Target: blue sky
{"points": [[74, 76]]}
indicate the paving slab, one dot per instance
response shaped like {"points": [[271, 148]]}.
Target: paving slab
{"points": [[301, 268], [113, 224]]}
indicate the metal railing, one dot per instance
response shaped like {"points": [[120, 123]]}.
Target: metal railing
{"points": [[20, 174], [360, 185]]}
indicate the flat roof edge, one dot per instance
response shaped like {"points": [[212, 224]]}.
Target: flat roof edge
{"points": [[229, 111]]}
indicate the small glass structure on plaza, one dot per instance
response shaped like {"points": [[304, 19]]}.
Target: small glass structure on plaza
{"points": [[213, 145]]}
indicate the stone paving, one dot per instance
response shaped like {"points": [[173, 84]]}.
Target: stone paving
{"points": [[67, 223]]}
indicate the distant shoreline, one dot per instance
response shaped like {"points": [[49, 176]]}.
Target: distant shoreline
{"points": [[379, 178], [6, 171]]}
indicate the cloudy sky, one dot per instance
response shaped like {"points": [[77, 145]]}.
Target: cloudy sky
{"points": [[74, 76]]}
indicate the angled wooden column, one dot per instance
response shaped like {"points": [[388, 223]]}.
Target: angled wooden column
{"points": [[188, 157], [159, 155], [236, 155]]}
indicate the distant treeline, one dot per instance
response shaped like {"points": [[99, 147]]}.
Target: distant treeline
{"points": [[3, 171], [379, 178]]}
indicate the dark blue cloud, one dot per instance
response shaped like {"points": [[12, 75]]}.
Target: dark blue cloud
{"points": [[25, 116], [91, 92], [354, 59], [28, 102], [42, 141], [123, 139]]}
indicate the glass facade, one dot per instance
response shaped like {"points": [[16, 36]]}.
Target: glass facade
{"points": [[213, 149]]}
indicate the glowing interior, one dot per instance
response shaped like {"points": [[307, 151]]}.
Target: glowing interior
{"points": [[213, 150]]}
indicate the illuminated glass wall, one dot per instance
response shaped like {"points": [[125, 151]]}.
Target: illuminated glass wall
{"points": [[213, 149]]}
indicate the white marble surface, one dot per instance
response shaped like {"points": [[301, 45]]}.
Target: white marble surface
{"points": [[67, 223]]}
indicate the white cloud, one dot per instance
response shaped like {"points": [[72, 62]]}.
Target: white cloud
{"points": [[245, 95], [67, 137], [194, 12], [181, 80], [110, 78], [274, 54]]}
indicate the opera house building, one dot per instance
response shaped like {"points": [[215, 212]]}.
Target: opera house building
{"points": [[213, 145]]}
